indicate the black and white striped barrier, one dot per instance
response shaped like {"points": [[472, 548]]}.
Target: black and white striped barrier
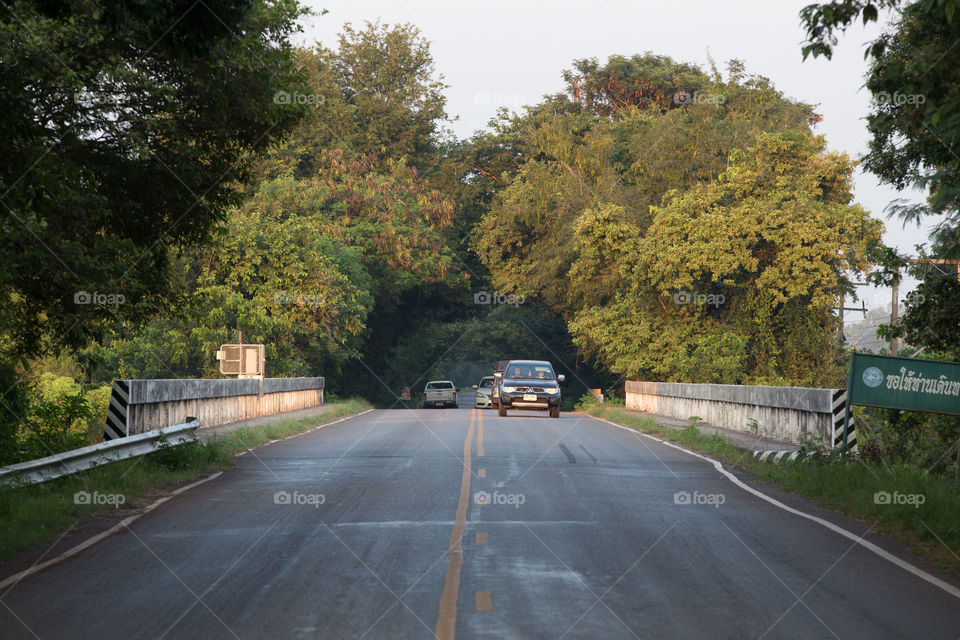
{"points": [[117, 425], [839, 409], [780, 456]]}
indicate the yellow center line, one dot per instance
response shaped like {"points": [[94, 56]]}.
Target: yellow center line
{"points": [[483, 601], [447, 617], [479, 434]]}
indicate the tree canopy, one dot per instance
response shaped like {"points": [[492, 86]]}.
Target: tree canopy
{"points": [[914, 123], [124, 128], [654, 219]]}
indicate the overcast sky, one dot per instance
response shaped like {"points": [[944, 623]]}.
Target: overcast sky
{"points": [[509, 54]]}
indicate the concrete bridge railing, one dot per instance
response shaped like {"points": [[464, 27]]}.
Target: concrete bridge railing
{"points": [[791, 414], [138, 406]]}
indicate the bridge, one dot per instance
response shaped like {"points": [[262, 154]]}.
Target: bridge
{"points": [[457, 523]]}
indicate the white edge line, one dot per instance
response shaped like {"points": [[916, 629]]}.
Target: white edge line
{"points": [[100, 536], [886, 555], [89, 542]]}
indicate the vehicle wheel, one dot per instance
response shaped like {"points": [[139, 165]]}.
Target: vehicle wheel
{"points": [[502, 411], [554, 413]]}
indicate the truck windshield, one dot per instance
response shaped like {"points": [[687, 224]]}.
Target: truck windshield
{"points": [[439, 385], [530, 372]]}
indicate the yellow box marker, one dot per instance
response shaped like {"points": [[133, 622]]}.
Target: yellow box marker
{"points": [[484, 601], [481, 473], [481, 538], [479, 435]]}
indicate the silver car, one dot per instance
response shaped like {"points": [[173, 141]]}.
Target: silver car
{"points": [[484, 389]]}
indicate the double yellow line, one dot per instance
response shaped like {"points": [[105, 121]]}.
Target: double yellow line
{"points": [[447, 617]]}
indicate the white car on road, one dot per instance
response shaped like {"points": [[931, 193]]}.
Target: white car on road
{"points": [[440, 393], [484, 391]]}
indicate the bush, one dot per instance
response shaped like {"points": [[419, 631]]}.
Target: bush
{"points": [[55, 426], [48, 414], [13, 411], [51, 387], [927, 441], [99, 400]]}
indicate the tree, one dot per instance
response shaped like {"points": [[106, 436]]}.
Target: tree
{"points": [[124, 128], [376, 96], [931, 313], [735, 281], [300, 266], [573, 159], [913, 77], [641, 81]]}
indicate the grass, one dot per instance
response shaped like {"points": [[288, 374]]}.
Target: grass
{"points": [[927, 520], [31, 515]]}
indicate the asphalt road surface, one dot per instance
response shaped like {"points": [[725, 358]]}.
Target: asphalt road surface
{"points": [[381, 527]]}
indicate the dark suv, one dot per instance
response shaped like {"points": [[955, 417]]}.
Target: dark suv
{"points": [[530, 385]]}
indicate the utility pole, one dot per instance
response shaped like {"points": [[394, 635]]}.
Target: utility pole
{"points": [[894, 312], [895, 304], [843, 301]]}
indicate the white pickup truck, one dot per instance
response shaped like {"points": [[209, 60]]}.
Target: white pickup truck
{"points": [[440, 393]]}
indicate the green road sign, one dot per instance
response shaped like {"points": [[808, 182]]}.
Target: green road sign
{"points": [[904, 383]]}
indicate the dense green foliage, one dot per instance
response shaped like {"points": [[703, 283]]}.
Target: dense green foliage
{"points": [[765, 246], [328, 231], [913, 77], [123, 128], [630, 202]]}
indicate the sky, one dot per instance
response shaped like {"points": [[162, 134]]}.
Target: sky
{"points": [[510, 54]]}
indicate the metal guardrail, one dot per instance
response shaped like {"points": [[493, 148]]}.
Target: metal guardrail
{"points": [[69, 462]]}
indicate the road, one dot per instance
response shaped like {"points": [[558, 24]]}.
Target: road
{"points": [[380, 527]]}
